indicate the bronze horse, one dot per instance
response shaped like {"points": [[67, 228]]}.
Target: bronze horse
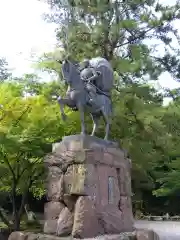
{"points": [[77, 97]]}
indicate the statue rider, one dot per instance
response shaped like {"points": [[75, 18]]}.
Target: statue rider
{"points": [[89, 76]]}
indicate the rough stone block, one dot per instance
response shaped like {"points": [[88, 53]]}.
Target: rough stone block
{"points": [[52, 210], [108, 194], [40, 236], [110, 218], [116, 152], [59, 147], [34, 236], [94, 156], [92, 184], [70, 201], [95, 185], [145, 234], [127, 216], [55, 190], [68, 178], [79, 156], [65, 223], [86, 223], [50, 226], [79, 177], [79, 142], [53, 160], [75, 180], [18, 236], [54, 172], [125, 182]]}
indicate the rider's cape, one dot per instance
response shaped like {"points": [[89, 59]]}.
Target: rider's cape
{"points": [[106, 78]]}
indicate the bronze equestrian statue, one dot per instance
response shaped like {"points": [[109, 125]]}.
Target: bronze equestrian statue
{"points": [[89, 90]]}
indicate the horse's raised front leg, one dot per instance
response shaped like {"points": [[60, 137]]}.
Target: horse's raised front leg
{"points": [[81, 110], [62, 102], [95, 124]]}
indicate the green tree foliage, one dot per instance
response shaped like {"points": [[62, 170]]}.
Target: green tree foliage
{"points": [[129, 34], [29, 117], [119, 30], [4, 70], [29, 124], [170, 169]]}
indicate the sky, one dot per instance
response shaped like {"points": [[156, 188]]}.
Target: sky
{"points": [[24, 33]]}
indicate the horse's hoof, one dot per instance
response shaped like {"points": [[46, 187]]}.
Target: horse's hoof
{"points": [[83, 133]]}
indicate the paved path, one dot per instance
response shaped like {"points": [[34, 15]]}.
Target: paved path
{"points": [[167, 230]]}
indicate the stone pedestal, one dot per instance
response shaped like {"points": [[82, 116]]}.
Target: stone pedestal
{"points": [[88, 189], [136, 235]]}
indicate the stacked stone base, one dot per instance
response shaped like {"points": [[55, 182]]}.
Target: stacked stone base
{"points": [[136, 235], [88, 189]]}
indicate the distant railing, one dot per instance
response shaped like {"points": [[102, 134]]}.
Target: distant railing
{"points": [[160, 218]]}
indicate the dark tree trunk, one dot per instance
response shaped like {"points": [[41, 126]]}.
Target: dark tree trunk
{"points": [[16, 226]]}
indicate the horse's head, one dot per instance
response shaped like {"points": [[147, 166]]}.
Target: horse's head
{"points": [[66, 71], [70, 72]]}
